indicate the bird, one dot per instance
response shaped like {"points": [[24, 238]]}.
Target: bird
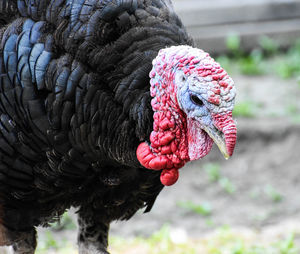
{"points": [[101, 103]]}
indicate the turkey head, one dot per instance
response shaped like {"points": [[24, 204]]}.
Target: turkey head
{"points": [[193, 99]]}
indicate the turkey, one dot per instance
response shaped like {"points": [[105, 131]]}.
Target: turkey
{"points": [[101, 103]]}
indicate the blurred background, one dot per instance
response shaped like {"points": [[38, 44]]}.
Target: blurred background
{"points": [[249, 204]]}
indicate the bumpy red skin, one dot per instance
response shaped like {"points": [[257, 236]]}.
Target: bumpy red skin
{"points": [[169, 146], [168, 150]]}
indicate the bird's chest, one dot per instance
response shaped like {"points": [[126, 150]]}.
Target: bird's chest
{"points": [[119, 196], [115, 191]]}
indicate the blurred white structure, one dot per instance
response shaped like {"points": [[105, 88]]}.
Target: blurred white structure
{"points": [[210, 22]]}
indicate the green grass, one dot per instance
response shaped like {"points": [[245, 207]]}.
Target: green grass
{"points": [[293, 111], [268, 45], [227, 185], [48, 244], [65, 222], [244, 109], [213, 171], [268, 191], [252, 64], [267, 58], [203, 209], [246, 63], [289, 66], [296, 119], [160, 242], [272, 193], [233, 44], [223, 241]]}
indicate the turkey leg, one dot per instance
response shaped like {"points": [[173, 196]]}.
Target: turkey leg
{"points": [[93, 234], [27, 244]]}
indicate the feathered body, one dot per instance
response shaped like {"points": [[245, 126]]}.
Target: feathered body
{"points": [[75, 104]]}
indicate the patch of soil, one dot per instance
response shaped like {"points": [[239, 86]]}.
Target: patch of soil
{"points": [[272, 96]]}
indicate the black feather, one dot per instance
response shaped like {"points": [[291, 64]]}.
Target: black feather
{"points": [[75, 104]]}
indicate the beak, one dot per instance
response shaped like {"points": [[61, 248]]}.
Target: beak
{"points": [[223, 133], [221, 130], [219, 138]]}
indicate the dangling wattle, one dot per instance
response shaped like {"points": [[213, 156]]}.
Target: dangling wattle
{"points": [[168, 150]]}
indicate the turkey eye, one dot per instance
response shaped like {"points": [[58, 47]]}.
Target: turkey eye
{"points": [[183, 78], [196, 100]]}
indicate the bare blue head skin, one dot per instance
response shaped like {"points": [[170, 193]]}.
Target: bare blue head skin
{"points": [[191, 101]]}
